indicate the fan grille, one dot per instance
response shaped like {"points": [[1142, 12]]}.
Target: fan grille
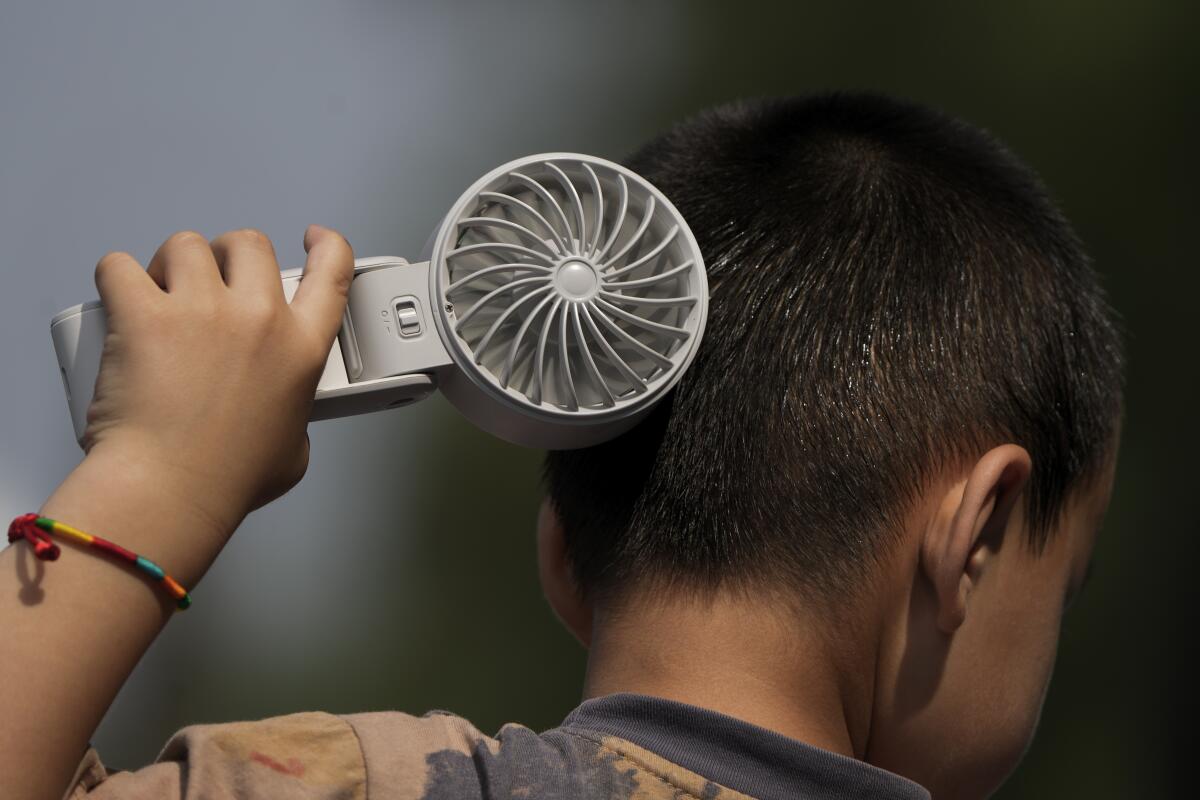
{"points": [[571, 283]]}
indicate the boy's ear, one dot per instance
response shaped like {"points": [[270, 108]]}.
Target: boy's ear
{"points": [[969, 529], [558, 583]]}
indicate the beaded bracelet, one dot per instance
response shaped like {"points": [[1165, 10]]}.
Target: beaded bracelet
{"points": [[36, 530]]}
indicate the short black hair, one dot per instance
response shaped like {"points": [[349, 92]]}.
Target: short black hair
{"points": [[892, 292]]}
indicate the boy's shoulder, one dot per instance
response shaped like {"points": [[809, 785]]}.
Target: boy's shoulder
{"points": [[618, 746], [391, 754], [441, 755], [307, 754]]}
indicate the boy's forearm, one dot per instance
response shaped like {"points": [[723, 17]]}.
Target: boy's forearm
{"points": [[73, 629]]}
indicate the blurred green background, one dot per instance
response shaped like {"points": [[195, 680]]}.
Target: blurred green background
{"points": [[401, 573]]}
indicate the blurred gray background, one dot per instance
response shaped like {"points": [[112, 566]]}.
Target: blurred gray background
{"points": [[400, 574]]}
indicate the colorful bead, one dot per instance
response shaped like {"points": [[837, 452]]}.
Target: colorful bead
{"points": [[150, 567]]}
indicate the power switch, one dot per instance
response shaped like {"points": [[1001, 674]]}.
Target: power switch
{"points": [[408, 318]]}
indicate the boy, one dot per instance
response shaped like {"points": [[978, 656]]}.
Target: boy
{"points": [[833, 564]]}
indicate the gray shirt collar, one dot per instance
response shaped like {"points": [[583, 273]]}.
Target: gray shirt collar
{"points": [[736, 754]]}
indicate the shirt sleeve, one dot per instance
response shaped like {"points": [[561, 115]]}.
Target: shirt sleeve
{"points": [[310, 755]]}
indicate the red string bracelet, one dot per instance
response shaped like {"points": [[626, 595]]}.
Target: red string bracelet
{"points": [[36, 530]]}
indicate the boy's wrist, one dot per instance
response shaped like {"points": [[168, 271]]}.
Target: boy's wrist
{"points": [[134, 497]]}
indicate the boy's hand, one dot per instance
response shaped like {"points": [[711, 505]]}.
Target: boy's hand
{"points": [[208, 375], [201, 403]]}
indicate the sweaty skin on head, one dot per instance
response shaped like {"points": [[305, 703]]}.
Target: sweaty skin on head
{"points": [[936, 670]]}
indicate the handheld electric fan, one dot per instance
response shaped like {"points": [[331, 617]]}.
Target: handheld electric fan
{"points": [[560, 298]]}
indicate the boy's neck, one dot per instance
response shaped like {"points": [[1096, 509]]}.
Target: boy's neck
{"points": [[748, 662]]}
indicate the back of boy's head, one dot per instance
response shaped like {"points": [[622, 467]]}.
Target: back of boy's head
{"points": [[892, 292]]}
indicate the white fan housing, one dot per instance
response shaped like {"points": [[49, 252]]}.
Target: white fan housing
{"points": [[562, 297]]}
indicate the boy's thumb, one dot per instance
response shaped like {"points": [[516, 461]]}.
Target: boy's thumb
{"points": [[325, 283]]}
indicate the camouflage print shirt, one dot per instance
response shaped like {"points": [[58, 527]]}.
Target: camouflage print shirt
{"points": [[618, 746]]}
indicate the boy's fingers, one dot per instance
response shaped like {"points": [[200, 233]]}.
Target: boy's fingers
{"points": [[185, 263], [321, 297], [247, 260], [123, 284]]}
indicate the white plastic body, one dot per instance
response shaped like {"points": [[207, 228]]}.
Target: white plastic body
{"points": [[405, 367], [406, 332]]}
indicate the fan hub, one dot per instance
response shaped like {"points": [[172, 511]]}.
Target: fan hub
{"points": [[576, 279]]}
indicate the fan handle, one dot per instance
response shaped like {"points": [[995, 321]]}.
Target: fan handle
{"points": [[375, 363]]}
